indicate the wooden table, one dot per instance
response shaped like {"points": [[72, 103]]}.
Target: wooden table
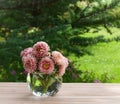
{"points": [[70, 93]]}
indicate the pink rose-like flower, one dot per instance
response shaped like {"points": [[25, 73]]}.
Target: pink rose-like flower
{"points": [[40, 49], [61, 61], [57, 57], [46, 65], [63, 66], [65, 62], [26, 51], [29, 63], [61, 70]]}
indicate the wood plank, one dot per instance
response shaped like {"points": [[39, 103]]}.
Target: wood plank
{"points": [[70, 93]]}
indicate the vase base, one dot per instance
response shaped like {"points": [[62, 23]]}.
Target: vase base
{"points": [[39, 94], [45, 94]]}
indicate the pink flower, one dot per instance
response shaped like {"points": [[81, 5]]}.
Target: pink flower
{"points": [[97, 81], [65, 62], [46, 65], [40, 49], [13, 72], [29, 63], [61, 70], [25, 72], [57, 57], [63, 66], [61, 61], [26, 51]]}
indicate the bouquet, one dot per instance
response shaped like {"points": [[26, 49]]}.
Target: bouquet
{"points": [[45, 68]]}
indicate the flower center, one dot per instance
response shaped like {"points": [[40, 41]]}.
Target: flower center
{"points": [[46, 66], [38, 49]]}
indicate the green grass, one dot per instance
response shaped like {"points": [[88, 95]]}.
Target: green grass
{"points": [[104, 57], [100, 31]]}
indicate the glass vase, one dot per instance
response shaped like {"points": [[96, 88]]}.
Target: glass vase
{"points": [[44, 85]]}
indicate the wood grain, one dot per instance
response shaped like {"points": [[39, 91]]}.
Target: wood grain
{"points": [[70, 93]]}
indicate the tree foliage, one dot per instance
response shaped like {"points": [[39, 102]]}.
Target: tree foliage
{"points": [[58, 22]]}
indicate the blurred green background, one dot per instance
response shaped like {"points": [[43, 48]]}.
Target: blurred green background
{"points": [[85, 31]]}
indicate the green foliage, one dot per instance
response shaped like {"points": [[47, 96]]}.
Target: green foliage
{"points": [[12, 43], [86, 13], [61, 23], [88, 76]]}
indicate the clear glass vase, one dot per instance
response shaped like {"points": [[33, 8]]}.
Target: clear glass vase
{"points": [[43, 85]]}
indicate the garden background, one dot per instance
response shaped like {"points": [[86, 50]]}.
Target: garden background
{"points": [[85, 31]]}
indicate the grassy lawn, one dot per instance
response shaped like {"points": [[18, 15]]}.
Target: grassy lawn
{"points": [[104, 56]]}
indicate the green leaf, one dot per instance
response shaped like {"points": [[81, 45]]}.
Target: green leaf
{"points": [[50, 81], [37, 83]]}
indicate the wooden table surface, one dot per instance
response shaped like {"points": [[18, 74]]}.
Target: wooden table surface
{"points": [[70, 93]]}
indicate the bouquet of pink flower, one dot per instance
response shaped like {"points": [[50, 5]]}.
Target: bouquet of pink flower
{"points": [[48, 66]]}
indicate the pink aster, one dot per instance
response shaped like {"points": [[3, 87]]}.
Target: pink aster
{"points": [[40, 49], [26, 51], [65, 62], [63, 66], [61, 70], [57, 57], [61, 61], [46, 65], [29, 63]]}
